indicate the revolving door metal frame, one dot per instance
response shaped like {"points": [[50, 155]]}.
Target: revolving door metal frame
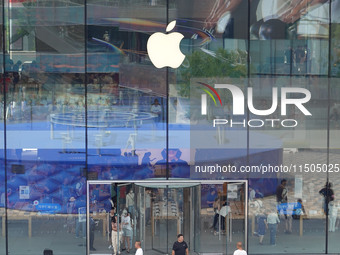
{"points": [[168, 182]]}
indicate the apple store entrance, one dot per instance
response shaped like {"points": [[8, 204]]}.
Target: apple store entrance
{"points": [[211, 215]]}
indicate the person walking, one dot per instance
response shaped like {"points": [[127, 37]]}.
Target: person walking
{"points": [[239, 250], [180, 247]]}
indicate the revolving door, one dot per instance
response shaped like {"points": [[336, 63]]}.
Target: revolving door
{"points": [[159, 210]]}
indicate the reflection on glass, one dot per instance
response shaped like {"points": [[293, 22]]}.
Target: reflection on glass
{"points": [[333, 206], [109, 120], [3, 192], [44, 102], [125, 93], [289, 38]]}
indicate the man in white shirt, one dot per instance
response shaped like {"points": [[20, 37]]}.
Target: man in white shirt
{"points": [[239, 250], [139, 250]]}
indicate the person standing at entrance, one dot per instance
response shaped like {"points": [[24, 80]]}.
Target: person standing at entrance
{"points": [[111, 218], [127, 231], [138, 246], [239, 250], [180, 247], [130, 203], [92, 229], [114, 236]]}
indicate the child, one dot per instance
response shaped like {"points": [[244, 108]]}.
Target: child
{"points": [[261, 226]]}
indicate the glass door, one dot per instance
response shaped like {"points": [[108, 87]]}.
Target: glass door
{"points": [[127, 216], [210, 215], [159, 219], [101, 197], [222, 217], [166, 209]]}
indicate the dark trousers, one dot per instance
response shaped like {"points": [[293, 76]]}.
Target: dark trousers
{"points": [[91, 238], [216, 218]]}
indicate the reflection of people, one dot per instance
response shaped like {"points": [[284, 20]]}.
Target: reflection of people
{"points": [[156, 109], [272, 221], [258, 194], [333, 213], [328, 195], [239, 250], [282, 192], [211, 198], [261, 226], [146, 161], [81, 219], [71, 210], [282, 204], [138, 247], [299, 209], [180, 247], [335, 113], [269, 19], [179, 167], [252, 194]]}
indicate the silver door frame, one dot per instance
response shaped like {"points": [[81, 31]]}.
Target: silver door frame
{"points": [[164, 182]]}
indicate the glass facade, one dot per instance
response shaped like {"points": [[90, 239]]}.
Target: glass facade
{"points": [[239, 143]]}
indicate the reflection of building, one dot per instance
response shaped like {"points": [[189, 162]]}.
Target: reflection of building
{"points": [[76, 107]]}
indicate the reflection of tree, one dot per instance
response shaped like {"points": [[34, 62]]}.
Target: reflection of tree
{"points": [[23, 17], [335, 55], [219, 64]]}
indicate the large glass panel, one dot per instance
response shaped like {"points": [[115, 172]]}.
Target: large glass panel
{"points": [[222, 217], [333, 189], [288, 140], [126, 94], [46, 170], [2, 144], [102, 202], [334, 126], [215, 46]]}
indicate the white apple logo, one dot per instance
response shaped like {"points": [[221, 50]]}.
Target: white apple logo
{"points": [[163, 49]]}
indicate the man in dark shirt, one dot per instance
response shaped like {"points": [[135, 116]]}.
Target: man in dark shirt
{"points": [[281, 192], [180, 247], [282, 205]]}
